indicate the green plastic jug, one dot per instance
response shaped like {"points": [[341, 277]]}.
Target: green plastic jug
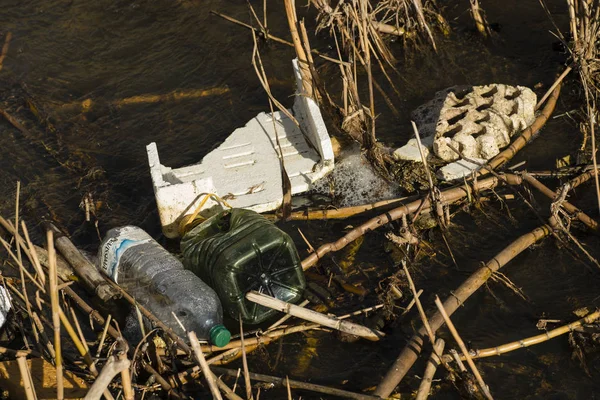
{"points": [[236, 251]]}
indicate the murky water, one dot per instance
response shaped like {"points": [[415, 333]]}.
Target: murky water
{"points": [[76, 60]]}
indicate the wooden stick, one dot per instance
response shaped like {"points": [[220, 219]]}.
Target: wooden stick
{"points": [[83, 267], [113, 367], [484, 388], [432, 364], [413, 348], [245, 364], [210, 378], [55, 315], [281, 382], [577, 213], [313, 316], [419, 305], [285, 317], [533, 340], [554, 85], [230, 394], [128, 393], [447, 196], [26, 376], [83, 350]]}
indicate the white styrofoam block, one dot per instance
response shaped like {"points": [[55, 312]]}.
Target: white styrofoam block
{"points": [[245, 169], [458, 169]]}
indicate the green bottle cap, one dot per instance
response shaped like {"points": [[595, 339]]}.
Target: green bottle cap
{"points": [[219, 335]]}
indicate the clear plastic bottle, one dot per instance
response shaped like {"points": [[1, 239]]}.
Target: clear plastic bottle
{"points": [[158, 281]]}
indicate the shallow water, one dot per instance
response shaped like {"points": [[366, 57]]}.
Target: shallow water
{"points": [[64, 53]]}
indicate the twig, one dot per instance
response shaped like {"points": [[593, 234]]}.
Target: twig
{"points": [[55, 315], [113, 367], [245, 364], [432, 364], [281, 382], [554, 85], [419, 305], [83, 267], [533, 340], [313, 316], [463, 348], [413, 348], [26, 376], [208, 375]]}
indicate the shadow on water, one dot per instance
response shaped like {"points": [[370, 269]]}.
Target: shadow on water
{"points": [[64, 54]]}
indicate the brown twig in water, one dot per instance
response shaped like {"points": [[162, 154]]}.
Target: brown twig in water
{"points": [[413, 348], [313, 316], [26, 376], [208, 375], [245, 364], [52, 278], [432, 364], [533, 340], [484, 388], [281, 382]]}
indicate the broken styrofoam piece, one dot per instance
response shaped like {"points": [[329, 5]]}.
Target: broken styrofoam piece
{"points": [[458, 169], [478, 121], [245, 169], [410, 151], [5, 305]]}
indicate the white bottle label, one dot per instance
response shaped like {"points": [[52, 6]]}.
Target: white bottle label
{"points": [[112, 250]]}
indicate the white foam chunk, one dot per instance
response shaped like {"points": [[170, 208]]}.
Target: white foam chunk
{"points": [[245, 168], [458, 169]]}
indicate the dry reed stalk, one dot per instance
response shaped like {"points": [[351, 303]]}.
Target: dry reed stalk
{"points": [[419, 306], [103, 336], [447, 196], [303, 64], [20, 265], [285, 317], [281, 382], [230, 394], [432, 364], [289, 389], [554, 85], [52, 278], [83, 267], [313, 316], [344, 212], [581, 216], [533, 340], [484, 388], [271, 37], [33, 256], [585, 30], [81, 347], [26, 376], [413, 348], [245, 364], [208, 375], [232, 354], [128, 393], [5, 47], [480, 22], [112, 368]]}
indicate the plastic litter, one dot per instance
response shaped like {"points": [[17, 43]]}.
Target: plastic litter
{"points": [[236, 251], [158, 281]]}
